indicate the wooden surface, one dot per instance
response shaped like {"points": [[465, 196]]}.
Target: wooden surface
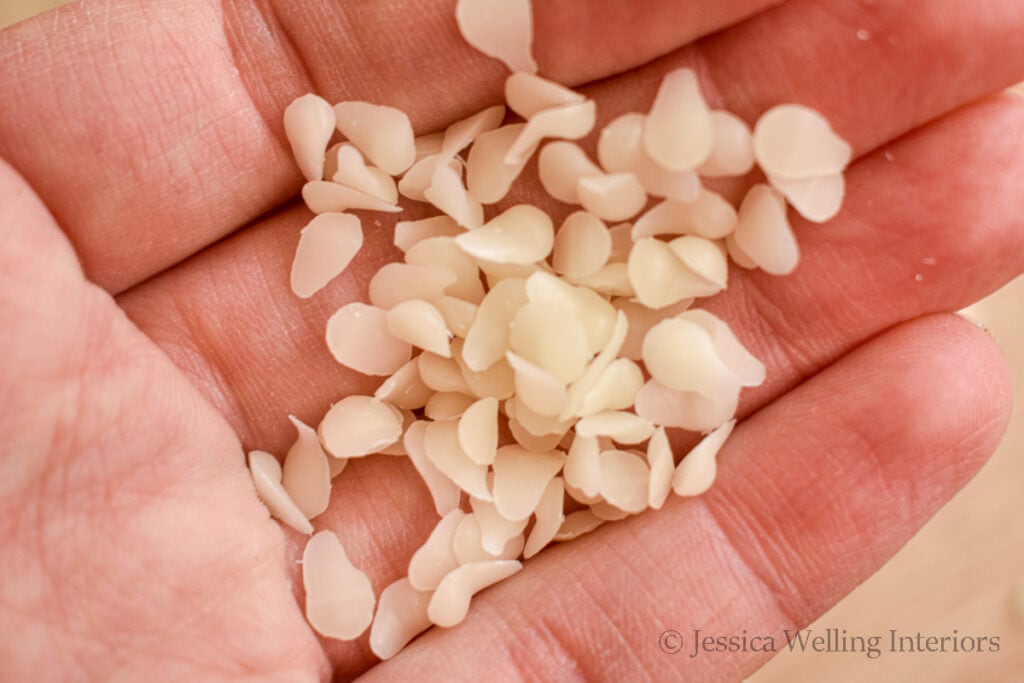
{"points": [[964, 571], [12, 11]]}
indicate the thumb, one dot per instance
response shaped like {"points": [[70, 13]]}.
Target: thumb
{"points": [[132, 540], [44, 303]]}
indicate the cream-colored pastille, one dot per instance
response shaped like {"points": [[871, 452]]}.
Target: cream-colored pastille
{"points": [[339, 597]]}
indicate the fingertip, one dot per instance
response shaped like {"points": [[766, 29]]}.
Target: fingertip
{"points": [[988, 398], [950, 382]]}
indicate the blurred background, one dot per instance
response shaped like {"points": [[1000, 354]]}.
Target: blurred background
{"points": [[963, 572]]}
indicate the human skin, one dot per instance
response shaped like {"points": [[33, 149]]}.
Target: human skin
{"points": [[148, 336]]}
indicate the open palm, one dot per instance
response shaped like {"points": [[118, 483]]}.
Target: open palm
{"points": [[134, 547]]}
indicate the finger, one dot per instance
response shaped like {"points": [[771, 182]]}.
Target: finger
{"points": [[106, 484], [911, 240], [153, 145], [230, 320], [814, 494], [574, 42], [876, 70]]}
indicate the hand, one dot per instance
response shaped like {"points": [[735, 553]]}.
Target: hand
{"points": [[134, 547]]}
